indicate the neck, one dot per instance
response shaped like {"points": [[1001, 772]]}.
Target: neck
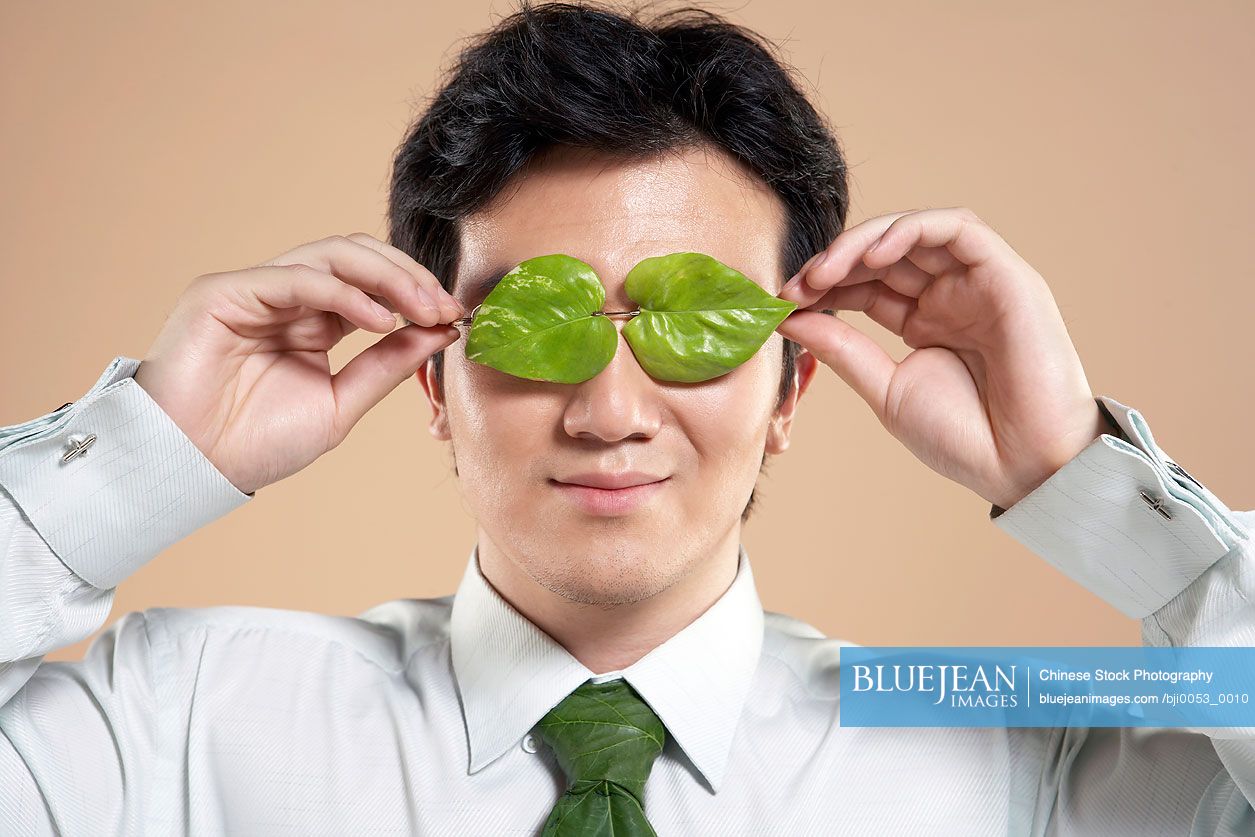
{"points": [[610, 638]]}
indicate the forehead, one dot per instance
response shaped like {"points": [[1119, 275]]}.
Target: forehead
{"points": [[612, 213]]}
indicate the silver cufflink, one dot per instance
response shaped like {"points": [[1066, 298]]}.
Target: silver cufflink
{"points": [[529, 743], [1172, 466], [78, 445], [1156, 503]]}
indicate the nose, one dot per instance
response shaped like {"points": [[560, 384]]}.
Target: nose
{"points": [[620, 402]]}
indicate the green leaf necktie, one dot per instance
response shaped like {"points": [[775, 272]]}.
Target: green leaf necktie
{"points": [[606, 739]]}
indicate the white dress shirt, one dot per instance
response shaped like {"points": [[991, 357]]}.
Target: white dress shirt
{"points": [[417, 717]]}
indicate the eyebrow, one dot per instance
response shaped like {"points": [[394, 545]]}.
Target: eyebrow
{"points": [[480, 286]]}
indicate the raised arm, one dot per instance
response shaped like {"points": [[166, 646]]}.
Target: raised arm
{"points": [[89, 493], [236, 393], [1134, 527], [994, 397]]}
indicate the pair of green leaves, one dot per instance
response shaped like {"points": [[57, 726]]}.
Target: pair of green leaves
{"points": [[698, 319]]}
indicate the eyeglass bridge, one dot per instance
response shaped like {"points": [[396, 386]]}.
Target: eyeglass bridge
{"points": [[469, 319]]}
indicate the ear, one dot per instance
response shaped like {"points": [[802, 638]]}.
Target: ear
{"points": [[782, 422], [439, 425]]}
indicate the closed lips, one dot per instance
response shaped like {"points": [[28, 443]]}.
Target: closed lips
{"points": [[611, 481]]}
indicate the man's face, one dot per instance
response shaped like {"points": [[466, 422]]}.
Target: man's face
{"points": [[519, 444]]}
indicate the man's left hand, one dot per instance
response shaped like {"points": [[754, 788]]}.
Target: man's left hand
{"points": [[993, 395]]}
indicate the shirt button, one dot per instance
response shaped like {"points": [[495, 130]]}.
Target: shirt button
{"points": [[529, 743]]}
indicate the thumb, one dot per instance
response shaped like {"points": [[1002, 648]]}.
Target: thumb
{"points": [[379, 369], [850, 353]]}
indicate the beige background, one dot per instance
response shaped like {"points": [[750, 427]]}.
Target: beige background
{"points": [[142, 145]]}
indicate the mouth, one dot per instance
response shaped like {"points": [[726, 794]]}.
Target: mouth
{"points": [[613, 501]]}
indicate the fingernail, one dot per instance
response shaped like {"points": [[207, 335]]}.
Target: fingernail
{"points": [[457, 306], [384, 313], [810, 264], [811, 261], [792, 283]]}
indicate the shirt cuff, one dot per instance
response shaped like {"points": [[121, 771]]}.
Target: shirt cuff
{"points": [[1123, 519], [136, 485]]}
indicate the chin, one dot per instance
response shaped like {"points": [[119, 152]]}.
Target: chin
{"points": [[607, 576]]}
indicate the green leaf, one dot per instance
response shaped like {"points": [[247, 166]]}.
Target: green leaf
{"points": [[699, 318], [537, 323], [594, 809], [604, 731], [606, 739]]}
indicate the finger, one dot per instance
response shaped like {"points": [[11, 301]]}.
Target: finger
{"points": [[369, 270], [934, 260], [299, 285], [957, 229], [380, 368], [427, 279], [903, 276], [854, 356], [875, 299], [846, 250]]}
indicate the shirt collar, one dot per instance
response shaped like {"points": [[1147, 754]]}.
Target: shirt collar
{"points": [[510, 673]]}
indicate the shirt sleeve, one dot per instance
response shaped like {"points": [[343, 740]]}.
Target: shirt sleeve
{"points": [[89, 493], [1138, 530]]}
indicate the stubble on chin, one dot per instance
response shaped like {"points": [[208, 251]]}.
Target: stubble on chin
{"points": [[606, 580]]}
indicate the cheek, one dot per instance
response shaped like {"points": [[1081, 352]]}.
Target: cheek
{"points": [[499, 427], [726, 419]]}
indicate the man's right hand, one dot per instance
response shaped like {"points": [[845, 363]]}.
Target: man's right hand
{"points": [[241, 363]]}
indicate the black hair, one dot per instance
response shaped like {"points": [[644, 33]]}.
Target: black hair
{"points": [[590, 77]]}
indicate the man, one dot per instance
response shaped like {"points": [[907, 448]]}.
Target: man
{"points": [[605, 665]]}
